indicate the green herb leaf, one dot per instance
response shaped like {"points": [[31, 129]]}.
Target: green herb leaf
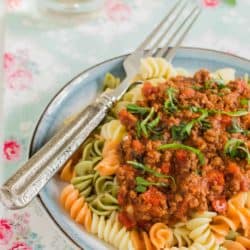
{"points": [[185, 147], [214, 111], [236, 148], [147, 169], [179, 132], [170, 104], [235, 113], [182, 131], [140, 189], [236, 128], [142, 184], [135, 109], [244, 101], [154, 123]]}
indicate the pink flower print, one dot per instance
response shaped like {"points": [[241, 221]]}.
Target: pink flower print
{"points": [[20, 246], [8, 60], [6, 232], [12, 4], [211, 3], [20, 79], [117, 11], [11, 150]]}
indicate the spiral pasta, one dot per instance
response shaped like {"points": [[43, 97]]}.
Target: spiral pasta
{"points": [[67, 172], [110, 81], [155, 68], [134, 95], [111, 231], [200, 231], [91, 155], [141, 241], [113, 130], [181, 235], [110, 161], [76, 206], [226, 74], [104, 204], [160, 235], [237, 218]]}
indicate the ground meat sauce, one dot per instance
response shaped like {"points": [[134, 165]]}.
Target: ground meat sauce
{"points": [[193, 186]]}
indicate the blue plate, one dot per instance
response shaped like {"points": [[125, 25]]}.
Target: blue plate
{"points": [[81, 91]]}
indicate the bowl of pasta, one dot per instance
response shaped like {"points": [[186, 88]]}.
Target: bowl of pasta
{"points": [[169, 166]]}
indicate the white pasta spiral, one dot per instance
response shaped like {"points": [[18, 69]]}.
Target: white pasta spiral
{"points": [[113, 130], [181, 235], [195, 234], [226, 74], [111, 231], [134, 95], [155, 68], [201, 233]]}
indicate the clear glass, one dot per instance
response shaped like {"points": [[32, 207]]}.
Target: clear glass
{"points": [[71, 6]]}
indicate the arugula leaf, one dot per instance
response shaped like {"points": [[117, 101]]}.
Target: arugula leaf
{"points": [[235, 113], [142, 184], [182, 131], [236, 148], [145, 168], [170, 104], [135, 109], [236, 128], [179, 132], [244, 101], [214, 111], [140, 189], [185, 147]]}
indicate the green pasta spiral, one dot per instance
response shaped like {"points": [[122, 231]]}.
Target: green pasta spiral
{"points": [[84, 184], [110, 81], [104, 204], [91, 155], [106, 184], [99, 191]]}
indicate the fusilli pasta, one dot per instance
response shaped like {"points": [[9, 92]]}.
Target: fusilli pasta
{"points": [[110, 81], [110, 161], [161, 235], [111, 231], [76, 206], [155, 68], [237, 218], [141, 241], [113, 130], [226, 74]]}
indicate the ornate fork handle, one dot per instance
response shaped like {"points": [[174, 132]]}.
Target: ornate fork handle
{"points": [[26, 183]]}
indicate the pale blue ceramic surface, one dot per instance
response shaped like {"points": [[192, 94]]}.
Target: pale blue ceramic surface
{"points": [[80, 92]]}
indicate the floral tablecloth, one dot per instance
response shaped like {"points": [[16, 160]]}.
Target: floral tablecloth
{"points": [[42, 53]]}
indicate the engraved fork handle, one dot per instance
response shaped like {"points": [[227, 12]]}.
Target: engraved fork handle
{"points": [[26, 183]]}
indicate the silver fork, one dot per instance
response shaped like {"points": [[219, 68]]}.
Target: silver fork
{"points": [[26, 183]]}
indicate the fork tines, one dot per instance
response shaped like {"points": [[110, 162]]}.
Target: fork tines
{"points": [[172, 30]]}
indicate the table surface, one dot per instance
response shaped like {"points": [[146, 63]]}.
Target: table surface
{"points": [[41, 54]]}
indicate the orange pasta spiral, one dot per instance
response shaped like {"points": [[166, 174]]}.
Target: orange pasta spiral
{"points": [[141, 241], [76, 206], [110, 162], [161, 235], [237, 217], [67, 172]]}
